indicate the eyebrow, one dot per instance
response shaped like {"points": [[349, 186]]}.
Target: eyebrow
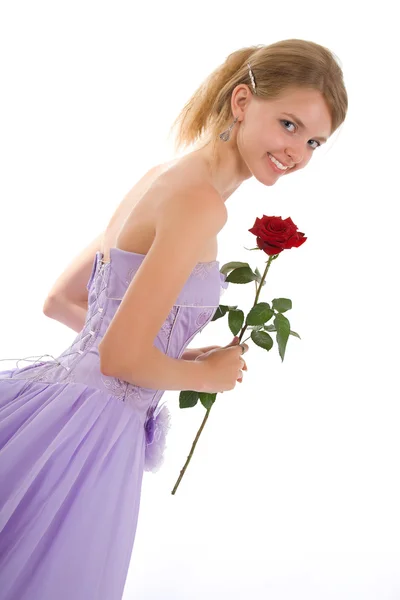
{"points": [[301, 124]]}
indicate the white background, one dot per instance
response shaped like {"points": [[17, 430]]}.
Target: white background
{"points": [[294, 490]]}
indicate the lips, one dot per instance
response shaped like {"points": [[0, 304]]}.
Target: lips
{"points": [[281, 161], [275, 168]]}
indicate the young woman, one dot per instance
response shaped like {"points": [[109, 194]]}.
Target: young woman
{"points": [[77, 431]]}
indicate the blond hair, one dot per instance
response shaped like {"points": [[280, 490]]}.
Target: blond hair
{"points": [[276, 67]]}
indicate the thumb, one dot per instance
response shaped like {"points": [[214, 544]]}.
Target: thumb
{"points": [[234, 342]]}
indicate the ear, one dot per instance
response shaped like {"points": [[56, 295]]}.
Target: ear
{"points": [[240, 99]]}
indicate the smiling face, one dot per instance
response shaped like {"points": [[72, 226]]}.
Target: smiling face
{"points": [[290, 128]]}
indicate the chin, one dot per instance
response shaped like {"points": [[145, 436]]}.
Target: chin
{"points": [[268, 181]]}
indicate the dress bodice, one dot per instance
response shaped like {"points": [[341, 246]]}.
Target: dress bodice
{"points": [[108, 282]]}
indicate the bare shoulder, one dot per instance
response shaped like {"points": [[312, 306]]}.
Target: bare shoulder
{"points": [[198, 200], [130, 199]]}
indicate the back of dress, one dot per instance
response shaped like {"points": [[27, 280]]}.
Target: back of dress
{"points": [[74, 444]]}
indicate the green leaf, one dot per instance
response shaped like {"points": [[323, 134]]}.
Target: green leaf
{"points": [[241, 275], [257, 272], [273, 328], [188, 399], [220, 312], [235, 320], [232, 265], [282, 304], [207, 400], [282, 333], [262, 339], [259, 314], [294, 333]]}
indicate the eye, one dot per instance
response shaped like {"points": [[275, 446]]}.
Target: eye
{"points": [[295, 126], [290, 123], [315, 142]]}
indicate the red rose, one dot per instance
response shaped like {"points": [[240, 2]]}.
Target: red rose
{"points": [[275, 234]]}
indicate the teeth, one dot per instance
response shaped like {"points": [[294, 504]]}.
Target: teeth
{"points": [[277, 163]]}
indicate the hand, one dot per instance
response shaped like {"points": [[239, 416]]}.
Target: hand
{"points": [[223, 366], [234, 341], [193, 353], [205, 349]]}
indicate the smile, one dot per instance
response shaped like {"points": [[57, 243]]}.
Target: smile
{"points": [[276, 163]]}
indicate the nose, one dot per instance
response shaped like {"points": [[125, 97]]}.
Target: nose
{"points": [[295, 154]]}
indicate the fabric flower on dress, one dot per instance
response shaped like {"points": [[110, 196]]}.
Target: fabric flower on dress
{"points": [[156, 429]]}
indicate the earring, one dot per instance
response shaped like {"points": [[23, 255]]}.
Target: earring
{"points": [[225, 135]]}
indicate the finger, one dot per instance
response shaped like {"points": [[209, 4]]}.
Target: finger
{"points": [[234, 342], [209, 348]]}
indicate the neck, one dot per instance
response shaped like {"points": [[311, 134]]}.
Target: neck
{"points": [[223, 164]]}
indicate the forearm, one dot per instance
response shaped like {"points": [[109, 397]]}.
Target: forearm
{"points": [[70, 314], [158, 371]]}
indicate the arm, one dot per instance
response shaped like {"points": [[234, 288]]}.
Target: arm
{"points": [[173, 372], [71, 314], [67, 300], [184, 226], [160, 372], [70, 287]]}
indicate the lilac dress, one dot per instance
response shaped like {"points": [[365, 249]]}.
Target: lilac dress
{"points": [[74, 444]]}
